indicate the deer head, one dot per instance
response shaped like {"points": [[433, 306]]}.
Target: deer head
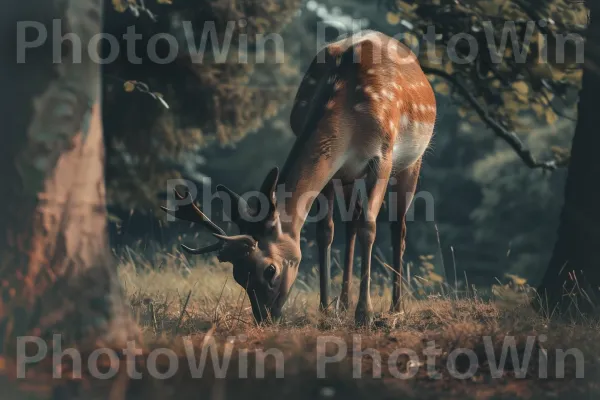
{"points": [[265, 259]]}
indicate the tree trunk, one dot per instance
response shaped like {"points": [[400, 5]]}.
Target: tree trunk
{"points": [[56, 273], [574, 268]]}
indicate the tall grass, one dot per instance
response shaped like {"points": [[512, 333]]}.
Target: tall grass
{"points": [[171, 293]]}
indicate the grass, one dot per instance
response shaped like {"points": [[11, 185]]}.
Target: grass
{"points": [[176, 302]]}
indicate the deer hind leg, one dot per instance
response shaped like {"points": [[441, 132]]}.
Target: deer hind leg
{"points": [[348, 264], [403, 185], [325, 231], [366, 231], [351, 227]]}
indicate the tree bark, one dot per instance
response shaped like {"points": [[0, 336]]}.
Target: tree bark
{"points": [[56, 272], [572, 279]]}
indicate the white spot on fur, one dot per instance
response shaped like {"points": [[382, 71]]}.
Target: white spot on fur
{"points": [[370, 71], [422, 107], [404, 121], [368, 89], [375, 97]]}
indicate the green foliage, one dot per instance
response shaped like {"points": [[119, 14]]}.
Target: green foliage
{"points": [[506, 85], [176, 110]]}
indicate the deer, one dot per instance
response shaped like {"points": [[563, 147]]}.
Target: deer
{"points": [[364, 112]]}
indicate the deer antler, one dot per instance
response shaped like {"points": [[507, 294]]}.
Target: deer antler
{"points": [[190, 212]]}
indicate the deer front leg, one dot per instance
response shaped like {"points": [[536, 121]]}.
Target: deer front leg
{"points": [[325, 231], [366, 231]]}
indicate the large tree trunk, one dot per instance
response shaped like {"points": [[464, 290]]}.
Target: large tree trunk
{"points": [[574, 269], [56, 273]]}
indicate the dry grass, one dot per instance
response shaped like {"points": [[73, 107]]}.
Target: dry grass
{"points": [[200, 302]]}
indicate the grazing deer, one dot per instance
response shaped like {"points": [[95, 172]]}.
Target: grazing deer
{"points": [[364, 111]]}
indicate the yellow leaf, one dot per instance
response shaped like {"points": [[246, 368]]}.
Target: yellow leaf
{"points": [[435, 277], [551, 117], [129, 86], [428, 265], [165, 1], [262, 23], [517, 280], [119, 6], [449, 68], [411, 40], [521, 87], [407, 7], [392, 18], [520, 93], [462, 112], [442, 88]]}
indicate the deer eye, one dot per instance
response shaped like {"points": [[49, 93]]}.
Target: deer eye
{"points": [[269, 273]]}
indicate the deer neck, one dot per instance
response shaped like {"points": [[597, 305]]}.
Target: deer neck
{"points": [[304, 176]]}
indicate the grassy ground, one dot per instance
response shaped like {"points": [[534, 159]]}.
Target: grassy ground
{"points": [[180, 304]]}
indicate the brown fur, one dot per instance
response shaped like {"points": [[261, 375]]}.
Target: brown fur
{"points": [[365, 110], [365, 116]]}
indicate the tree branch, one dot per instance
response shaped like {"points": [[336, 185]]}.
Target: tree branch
{"points": [[508, 136]]}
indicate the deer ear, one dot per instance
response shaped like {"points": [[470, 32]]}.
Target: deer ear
{"points": [[236, 247]]}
